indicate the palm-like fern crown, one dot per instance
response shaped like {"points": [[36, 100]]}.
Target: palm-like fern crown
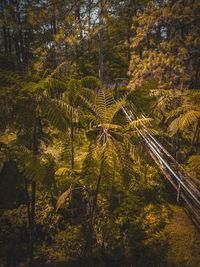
{"points": [[104, 106]]}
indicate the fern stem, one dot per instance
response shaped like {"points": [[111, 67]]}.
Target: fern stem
{"points": [[96, 196], [196, 147], [27, 201], [32, 222]]}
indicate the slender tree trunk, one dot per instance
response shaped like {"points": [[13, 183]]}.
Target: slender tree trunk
{"points": [[72, 146], [5, 40], [9, 42], [17, 52], [100, 41], [197, 74], [33, 192], [81, 34], [54, 26], [20, 34], [32, 223], [96, 196], [197, 141], [193, 139], [27, 201], [89, 25], [4, 32], [128, 48], [177, 146], [16, 37]]}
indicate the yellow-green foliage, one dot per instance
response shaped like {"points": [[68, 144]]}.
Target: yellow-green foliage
{"points": [[183, 240], [91, 82]]}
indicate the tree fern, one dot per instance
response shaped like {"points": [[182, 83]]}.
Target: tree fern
{"points": [[183, 121], [33, 170], [189, 118]]}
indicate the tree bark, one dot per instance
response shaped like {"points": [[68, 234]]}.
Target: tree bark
{"points": [[100, 41], [4, 33], [9, 42], [72, 146], [32, 223], [193, 139], [89, 25], [35, 144]]}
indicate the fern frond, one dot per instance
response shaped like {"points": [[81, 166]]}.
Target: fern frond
{"points": [[64, 197], [189, 118], [66, 109], [53, 84], [10, 77], [102, 105], [33, 170], [110, 126], [172, 114], [174, 126], [55, 115], [194, 162], [89, 120], [88, 94], [63, 171], [91, 82], [136, 123], [91, 106], [54, 72], [115, 108]]}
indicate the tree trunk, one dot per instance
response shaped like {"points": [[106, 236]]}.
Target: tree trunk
{"points": [[32, 223], [193, 139], [96, 196], [100, 41], [4, 32], [177, 146], [16, 38], [89, 25], [27, 201], [35, 144], [72, 146], [9, 42]]}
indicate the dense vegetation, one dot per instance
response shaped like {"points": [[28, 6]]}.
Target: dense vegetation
{"points": [[77, 186]]}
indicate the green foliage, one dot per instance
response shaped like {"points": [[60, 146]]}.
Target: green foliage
{"points": [[184, 121], [74, 88], [98, 199], [13, 230], [91, 82]]}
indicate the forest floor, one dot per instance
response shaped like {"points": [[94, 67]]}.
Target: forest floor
{"points": [[184, 240]]}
